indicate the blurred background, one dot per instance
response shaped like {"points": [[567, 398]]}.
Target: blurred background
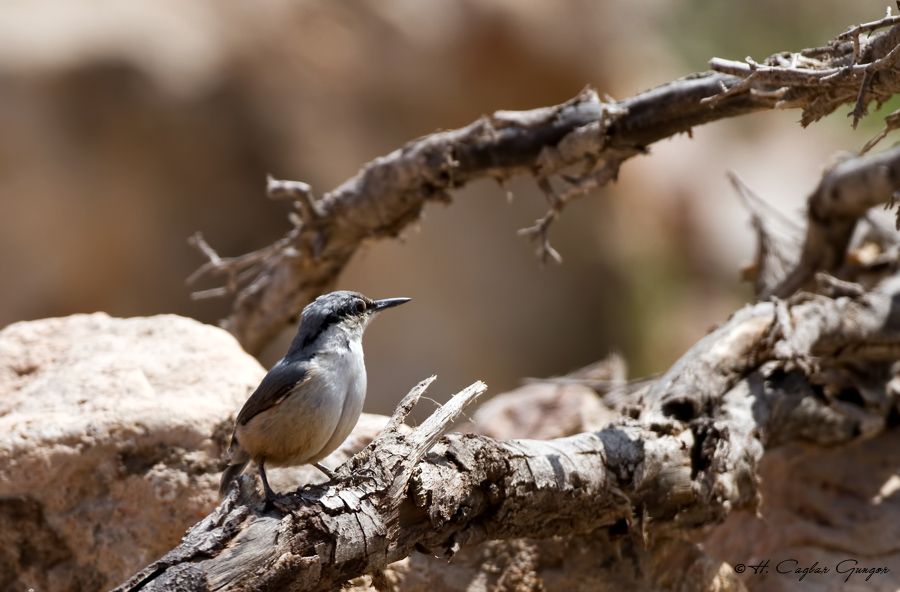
{"points": [[129, 126]]}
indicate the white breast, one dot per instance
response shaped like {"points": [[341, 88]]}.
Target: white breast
{"points": [[346, 370], [315, 419]]}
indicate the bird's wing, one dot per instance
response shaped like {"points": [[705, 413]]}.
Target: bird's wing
{"points": [[281, 380]]}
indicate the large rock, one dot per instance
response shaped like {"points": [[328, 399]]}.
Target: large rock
{"points": [[111, 433]]}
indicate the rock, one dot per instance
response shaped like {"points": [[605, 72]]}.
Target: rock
{"points": [[541, 411], [582, 401], [111, 439], [111, 431], [824, 510]]}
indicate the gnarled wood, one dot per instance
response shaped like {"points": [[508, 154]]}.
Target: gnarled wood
{"points": [[582, 141], [770, 375], [817, 367]]}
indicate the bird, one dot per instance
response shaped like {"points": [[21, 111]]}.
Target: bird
{"points": [[310, 400]]}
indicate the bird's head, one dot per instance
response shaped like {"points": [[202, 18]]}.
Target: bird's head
{"points": [[341, 312]]}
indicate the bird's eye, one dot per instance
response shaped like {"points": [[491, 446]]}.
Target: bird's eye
{"points": [[359, 306]]}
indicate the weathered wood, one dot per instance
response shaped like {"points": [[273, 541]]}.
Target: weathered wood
{"points": [[775, 372], [818, 367], [844, 195], [580, 144]]}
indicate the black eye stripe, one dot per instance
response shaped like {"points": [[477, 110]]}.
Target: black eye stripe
{"points": [[351, 308]]}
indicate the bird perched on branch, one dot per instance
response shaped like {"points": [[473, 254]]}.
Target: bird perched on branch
{"points": [[310, 400]]}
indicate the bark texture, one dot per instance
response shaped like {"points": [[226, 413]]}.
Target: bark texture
{"points": [[776, 372], [683, 451]]}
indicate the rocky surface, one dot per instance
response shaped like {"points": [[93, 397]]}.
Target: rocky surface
{"points": [[827, 511], [111, 435], [111, 432]]}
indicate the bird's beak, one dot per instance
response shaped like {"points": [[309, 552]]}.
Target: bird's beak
{"points": [[380, 305]]}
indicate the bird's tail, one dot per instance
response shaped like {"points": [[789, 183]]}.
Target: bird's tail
{"points": [[239, 460]]}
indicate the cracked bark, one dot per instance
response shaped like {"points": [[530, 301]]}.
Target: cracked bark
{"points": [[776, 372], [683, 450]]}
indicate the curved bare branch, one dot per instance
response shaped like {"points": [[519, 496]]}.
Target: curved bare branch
{"points": [[580, 144]]}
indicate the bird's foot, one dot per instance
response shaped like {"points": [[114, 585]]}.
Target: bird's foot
{"points": [[280, 503]]}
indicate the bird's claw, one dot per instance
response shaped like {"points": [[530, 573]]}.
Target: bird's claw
{"points": [[280, 503]]}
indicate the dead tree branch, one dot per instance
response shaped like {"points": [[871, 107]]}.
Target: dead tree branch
{"points": [[577, 145], [843, 196], [818, 367], [775, 372]]}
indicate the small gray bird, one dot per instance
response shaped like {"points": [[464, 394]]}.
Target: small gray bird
{"points": [[311, 399]]}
